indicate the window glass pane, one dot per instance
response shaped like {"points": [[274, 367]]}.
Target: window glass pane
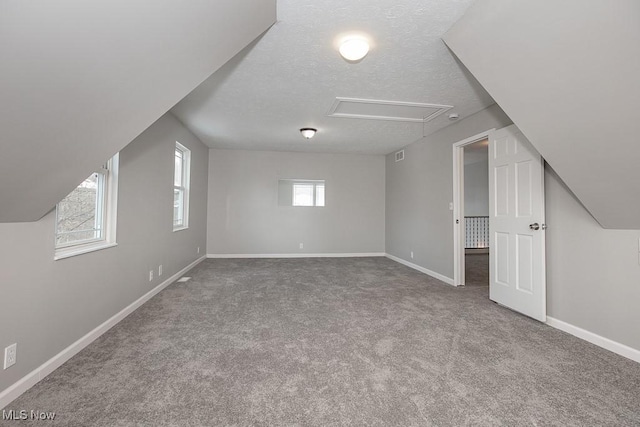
{"points": [[177, 177], [178, 203], [302, 194], [77, 213], [319, 194], [181, 187], [85, 219]]}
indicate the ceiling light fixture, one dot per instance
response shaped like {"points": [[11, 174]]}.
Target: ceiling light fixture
{"points": [[354, 48], [308, 132]]}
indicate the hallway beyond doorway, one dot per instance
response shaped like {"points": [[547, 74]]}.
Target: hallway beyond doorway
{"points": [[476, 269]]}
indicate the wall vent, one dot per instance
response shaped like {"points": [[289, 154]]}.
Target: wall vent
{"points": [[399, 155]]}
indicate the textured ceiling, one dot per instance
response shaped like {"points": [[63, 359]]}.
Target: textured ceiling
{"points": [[291, 76]]}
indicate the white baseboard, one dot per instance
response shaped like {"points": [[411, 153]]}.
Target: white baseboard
{"points": [[329, 255], [32, 378], [600, 341], [445, 279]]}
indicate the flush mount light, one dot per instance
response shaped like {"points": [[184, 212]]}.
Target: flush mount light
{"points": [[354, 48], [308, 132], [453, 116]]}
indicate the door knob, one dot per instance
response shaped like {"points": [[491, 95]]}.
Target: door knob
{"points": [[534, 226]]}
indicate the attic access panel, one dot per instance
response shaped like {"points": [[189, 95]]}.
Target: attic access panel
{"points": [[373, 109]]}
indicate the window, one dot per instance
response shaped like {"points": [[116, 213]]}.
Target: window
{"points": [[181, 187], [301, 192], [308, 193], [86, 218]]}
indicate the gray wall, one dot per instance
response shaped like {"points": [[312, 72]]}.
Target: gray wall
{"points": [[89, 77], [566, 72], [592, 273], [476, 189], [245, 218], [46, 305], [420, 188]]}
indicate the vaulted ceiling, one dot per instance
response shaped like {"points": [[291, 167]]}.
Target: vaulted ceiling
{"points": [[566, 73], [81, 79], [292, 75]]}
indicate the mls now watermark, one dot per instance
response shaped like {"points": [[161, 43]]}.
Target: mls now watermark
{"points": [[23, 415]]}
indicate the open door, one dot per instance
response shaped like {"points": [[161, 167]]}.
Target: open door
{"points": [[516, 224]]}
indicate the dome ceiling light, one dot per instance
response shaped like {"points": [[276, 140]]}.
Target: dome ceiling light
{"points": [[308, 133], [354, 48]]}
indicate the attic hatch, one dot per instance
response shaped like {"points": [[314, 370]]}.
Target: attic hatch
{"points": [[373, 109]]}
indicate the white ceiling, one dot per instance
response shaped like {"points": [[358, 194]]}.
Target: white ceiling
{"points": [[291, 77]]}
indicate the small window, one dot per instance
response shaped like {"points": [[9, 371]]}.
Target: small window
{"points": [[86, 218], [181, 187], [301, 192], [308, 194]]}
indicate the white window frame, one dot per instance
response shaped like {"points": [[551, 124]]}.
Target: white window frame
{"points": [[185, 187], [314, 197], [106, 215]]}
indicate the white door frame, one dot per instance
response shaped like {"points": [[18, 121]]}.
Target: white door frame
{"points": [[458, 204]]}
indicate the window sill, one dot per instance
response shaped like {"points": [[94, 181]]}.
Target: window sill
{"points": [[71, 251], [181, 228]]}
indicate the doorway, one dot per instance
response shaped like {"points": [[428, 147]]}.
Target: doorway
{"points": [[476, 213], [471, 211], [516, 225]]}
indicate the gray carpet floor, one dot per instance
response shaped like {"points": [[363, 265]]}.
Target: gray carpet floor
{"points": [[476, 269], [334, 342]]}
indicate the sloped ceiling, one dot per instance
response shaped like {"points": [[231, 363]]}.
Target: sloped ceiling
{"points": [[81, 79], [292, 76], [567, 74]]}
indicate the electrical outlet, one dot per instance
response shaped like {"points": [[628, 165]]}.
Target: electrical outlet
{"points": [[160, 270], [411, 254], [301, 245], [150, 275], [10, 355]]}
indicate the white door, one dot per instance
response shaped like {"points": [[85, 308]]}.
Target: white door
{"points": [[516, 224]]}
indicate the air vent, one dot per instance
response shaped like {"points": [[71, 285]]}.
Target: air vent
{"points": [[184, 279], [373, 109], [400, 155]]}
